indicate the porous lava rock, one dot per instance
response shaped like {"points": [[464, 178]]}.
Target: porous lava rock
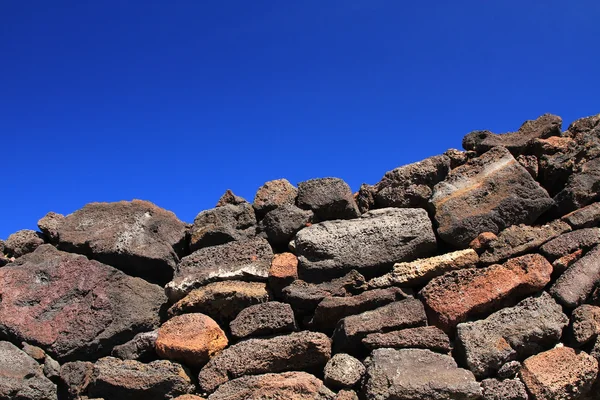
{"points": [[140, 348], [422, 337], [585, 324], [281, 224], [283, 271], [508, 389], [263, 319], [230, 198], [570, 242], [576, 284], [328, 198], [585, 217], [22, 242], [274, 194], [343, 371]]}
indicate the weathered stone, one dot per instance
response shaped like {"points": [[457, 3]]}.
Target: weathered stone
{"points": [[328, 198], [73, 307], [240, 260], [423, 337], [222, 300], [189, 397], [230, 198], [50, 225], [417, 374], [482, 241], [487, 194], [581, 189], [398, 315], [530, 163], [365, 198], [116, 379], [286, 385], [51, 368], [21, 377], [422, 270], [517, 142], [34, 352], [76, 377], [509, 389], [509, 370], [22, 242], [575, 285], [459, 295], [343, 371], [585, 324], [569, 242], [281, 224], [263, 319], [521, 239], [533, 325], [332, 309], [140, 348], [283, 271], [274, 194], [560, 373], [369, 244], [346, 394], [221, 225], [560, 265], [410, 185], [585, 217], [296, 351], [457, 157]]}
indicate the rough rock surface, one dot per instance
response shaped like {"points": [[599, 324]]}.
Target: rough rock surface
{"points": [[378, 239], [487, 194], [74, 307], [283, 271], [328, 198], [296, 351], [22, 242], [136, 237], [343, 371], [422, 337], [578, 281], [509, 389], [281, 224], [570, 242], [230, 198], [21, 377], [533, 325], [417, 374], [140, 348], [581, 189], [585, 324], [263, 319], [274, 194], [585, 217], [75, 377], [243, 260]]}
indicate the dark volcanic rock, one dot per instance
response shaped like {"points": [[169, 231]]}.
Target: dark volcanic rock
{"points": [[50, 225], [575, 285], [75, 378], [328, 198], [585, 324], [509, 389], [487, 194], [22, 242], [296, 351], [581, 189], [21, 377], [375, 241], [136, 237], [343, 371], [74, 307], [422, 337], [585, 217], [263, 319], [365, 198], [241, 260], [281, 224], [533, 325], [417, 374], [530, 163], [230, 198], [274, 194], [570, 242], [222, 224], [140, 348]]}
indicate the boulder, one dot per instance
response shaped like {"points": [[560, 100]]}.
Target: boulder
{"points": [[247, 260], [230, 198], [21, 377], [582, 188], [422, 337], [509, 389], [263, 319], [73, 307], [459, 295], [560, 373], [585, 217], [294, 352], [281, 224], [49, 225], [585, 324], [343, 371], [75, 377], [368, 244], [487, 194], [140, 348], [417, 374], [570, 242], [509, 370], [328, 198], [274, 194], [575, 285], [116, 379], [533, 325], [22, 242], [136, 237], [283, 271]]}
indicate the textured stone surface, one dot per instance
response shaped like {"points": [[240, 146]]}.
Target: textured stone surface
{"points": [[51, 368], [578, 281], [126, 380], [400, 314], [136, 237], [34, 352], [296, 351], [286, 385], [328, 198], [585, 217], [281, 224], [459, 295], [422, 270], [191, 339], [509, 370], [75, 377], [560, 373], [263, 319], [50, 224], [422, 337], [343, 371], [346, 394], [222, 224], [74, 307], [570, 242], [487, 194], [585, 324], [378, 239], [230, 198], [274, 194], [22, 242], [533, 325], [21, 377], [509, 389], [222, 300], [417, 374], [582, 188], [243, 260], [530, 163], [283, 271], [140, 348]]}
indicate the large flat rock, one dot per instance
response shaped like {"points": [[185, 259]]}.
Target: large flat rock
{"points": [[374, 241], [74, 307]]}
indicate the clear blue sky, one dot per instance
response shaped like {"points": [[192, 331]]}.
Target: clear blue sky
{"points": [[176, 101]]}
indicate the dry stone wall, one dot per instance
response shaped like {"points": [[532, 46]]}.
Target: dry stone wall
{"points": [[471, 275]]}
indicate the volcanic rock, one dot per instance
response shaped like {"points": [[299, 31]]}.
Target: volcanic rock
{"points": [[585, 324], [343, 371], [570, 242], [283, 271], [581, 189], [575, 285], [263, 319], [274, 194], [328, 198], [585, 217], [422, 337], [281, 224], [140, 348], [22, 242], [50, 225], [530, 163], [230, 198], [509, 389], [75, 377]]}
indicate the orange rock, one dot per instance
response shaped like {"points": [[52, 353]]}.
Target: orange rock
{"points": [[189, 397], [284, 270], [480, 243], [191, 339]]}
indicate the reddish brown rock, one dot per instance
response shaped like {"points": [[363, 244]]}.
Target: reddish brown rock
{"points": [[585, 324], [343, 371], [560, 265], [191, 339], [22, 242], [230, 198], [560, 373], [576, 284], [274, 194], [75, 378], [263, 319], [459, 295], [283, 271], [74, 307], [189, 397], [568, 243], [423, 337], [50, 224]]}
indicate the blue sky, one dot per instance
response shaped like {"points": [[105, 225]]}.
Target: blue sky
{"points": [[176, 101]]}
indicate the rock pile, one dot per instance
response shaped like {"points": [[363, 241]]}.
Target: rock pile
{"points": [[471, 275]]}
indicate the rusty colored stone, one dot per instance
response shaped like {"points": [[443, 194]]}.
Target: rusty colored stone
{"points": [[283, 271]]}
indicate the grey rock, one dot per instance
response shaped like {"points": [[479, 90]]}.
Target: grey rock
{"points": [[530, 163], [509, 389], [569, 242], [75, 377], [2, 246], [51, 368], [585, 217], [422, 337], [23, 242], [281, 224], [417, 374], [582, 188], [585, 324], [509, 370], [35, 352], [140, 348], [274, 194], [365, 198], [328, 198], [230, 198], [263, 319], [50, 224], [343, 371], [575, 285], [368, 244]]}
